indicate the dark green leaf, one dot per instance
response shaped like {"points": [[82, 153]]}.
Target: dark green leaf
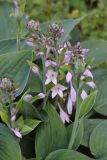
{"points": [[9, 147], [65, 154], [50, 136], [98, 141]]}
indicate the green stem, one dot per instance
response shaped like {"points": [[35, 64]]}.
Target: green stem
{"points": [[75, 126], [76, 121], [44, 78]]}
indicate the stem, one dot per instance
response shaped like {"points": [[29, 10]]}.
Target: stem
{"points": [[75, 126], [57, 68], [44, 78], [76, 121]]}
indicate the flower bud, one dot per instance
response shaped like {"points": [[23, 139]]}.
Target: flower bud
{"points": [[33, 25], [27, 98]]}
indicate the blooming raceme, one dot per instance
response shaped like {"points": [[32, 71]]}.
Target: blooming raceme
{"points": [[59, 61]]}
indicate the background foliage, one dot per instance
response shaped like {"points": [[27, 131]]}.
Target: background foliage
{"points": [[93, 26]]}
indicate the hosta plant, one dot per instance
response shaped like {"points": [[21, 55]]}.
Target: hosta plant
{"points": [[49, 91]]}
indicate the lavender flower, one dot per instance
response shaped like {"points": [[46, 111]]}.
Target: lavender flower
{"points": [[13, 114], [71, 99], [68, 77], [35, 70], [58, 90], [87, 73], [91, 84], [50, 63], [83, 94], [51, 77], [63, 115], [17, 133]]}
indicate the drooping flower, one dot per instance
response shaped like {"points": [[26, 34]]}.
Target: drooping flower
{"points": [[68, 77], [51, 77], [63, 115], [83, 94], [91, 84], [35, 70], [71, 99], [16, 131], [58, 90]]}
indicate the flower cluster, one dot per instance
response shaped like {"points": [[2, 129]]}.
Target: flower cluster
{"points": [[64, 68]]}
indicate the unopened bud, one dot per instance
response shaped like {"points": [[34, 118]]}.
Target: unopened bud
{"points": [[27, 98]]}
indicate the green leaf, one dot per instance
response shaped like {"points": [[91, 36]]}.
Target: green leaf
{"points": [[100, 76], [89, 125], [29, 125], [97, 50], [4, 116], [9, 147], [50, 136], [79, 135], [68, 25], [65, 154], [34, 83], [15, 67], [87, 104], [98, 141]]}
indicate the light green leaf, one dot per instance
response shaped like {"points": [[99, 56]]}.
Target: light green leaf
{"points": [[65, 154], [9, 147], [4, 116], [98, 141], [100, 76], [50, 136], [89, 125], [97, 50], [29, 125], [87, 104]]}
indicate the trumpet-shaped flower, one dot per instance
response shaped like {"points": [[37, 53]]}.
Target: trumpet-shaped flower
{"points": [[68, 77], [51, 77], [58, 90], [88, 73], [83, 94], [71, 99], [63, 115], [91, 84]]}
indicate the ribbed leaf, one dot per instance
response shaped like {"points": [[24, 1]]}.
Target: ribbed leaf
{"points": [[65, 154], [9, 147], [98, 141], [50, 136]]}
